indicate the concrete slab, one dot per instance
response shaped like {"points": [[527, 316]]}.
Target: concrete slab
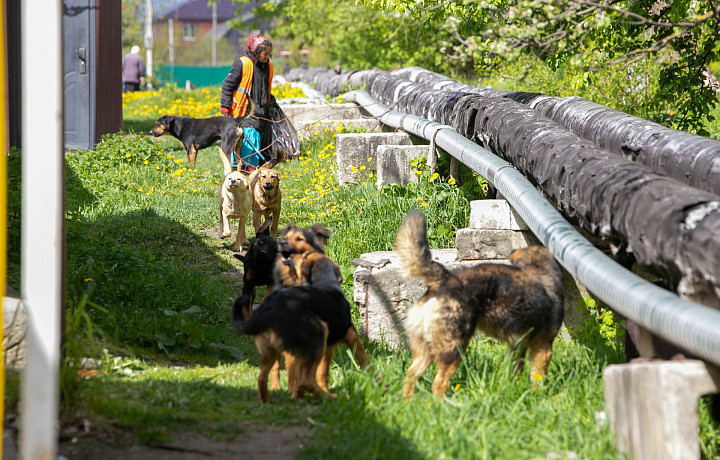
{"points": [[476, 243], [652, 406], [393, 163], [494, 215], [15, 331], [356, 153]]}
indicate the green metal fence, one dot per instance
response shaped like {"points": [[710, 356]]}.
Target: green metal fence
{"points": [[199, 76]]}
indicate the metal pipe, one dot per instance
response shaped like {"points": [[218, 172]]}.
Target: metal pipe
{"points": [[688, 325]]}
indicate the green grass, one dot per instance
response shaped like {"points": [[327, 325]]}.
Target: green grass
{"points": [[149, 293]]}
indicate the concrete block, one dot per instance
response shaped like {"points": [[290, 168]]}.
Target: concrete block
{"points": [[494, 215], [383, 295], [15, 331], [318, 128], [475, 243], [393, 163], [314, 112], [356, 153], [652, 406]]}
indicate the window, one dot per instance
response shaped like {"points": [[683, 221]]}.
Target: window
{"points": [[189, 32]]}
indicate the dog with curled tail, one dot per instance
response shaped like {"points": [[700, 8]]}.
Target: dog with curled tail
{"points": [[520, 304]]}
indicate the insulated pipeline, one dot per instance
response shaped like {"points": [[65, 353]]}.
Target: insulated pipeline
{"points": [[688, 325]]}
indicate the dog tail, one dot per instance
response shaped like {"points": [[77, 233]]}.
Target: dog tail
{"points": [[412, 247], [241, 312], [249, 112]]}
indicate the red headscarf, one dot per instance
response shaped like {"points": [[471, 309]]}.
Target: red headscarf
{"points": [[254, 41]]}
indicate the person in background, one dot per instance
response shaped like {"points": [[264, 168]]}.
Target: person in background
{"points": [[251, 76], [133, 70]]}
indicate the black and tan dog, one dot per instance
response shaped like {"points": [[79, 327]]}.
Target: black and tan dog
{"points": [[300, 248], [299, 321], [302, 261], [258, 264], [198, 133], [520, 303]]}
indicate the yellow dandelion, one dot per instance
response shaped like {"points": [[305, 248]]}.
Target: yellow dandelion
{"points": [[433, 177], [87, 280], [451, 181], [128, 155], [146, 162], [457, 387], [537, 377]]}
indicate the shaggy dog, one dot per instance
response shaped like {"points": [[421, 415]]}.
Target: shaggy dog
{"points": [[520, 303]]}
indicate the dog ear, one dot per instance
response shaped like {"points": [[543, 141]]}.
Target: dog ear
{"points": [[321, 233], [265, 227]]}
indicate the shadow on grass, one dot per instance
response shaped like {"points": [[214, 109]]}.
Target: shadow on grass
{"points": [[138, 126], [222, 405], [163, 287]]}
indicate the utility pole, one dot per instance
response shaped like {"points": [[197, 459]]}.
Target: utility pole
{"points": [[148, 41], [214, 34]]}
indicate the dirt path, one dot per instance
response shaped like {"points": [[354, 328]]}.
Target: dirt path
{"points": [[257, 443]]}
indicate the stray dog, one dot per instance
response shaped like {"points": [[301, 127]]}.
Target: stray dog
{"points": [[198, 133], [303, 262], [521, 304], [235, 203], [258, 264], [300, 248], [265, 187], [300, 321]]}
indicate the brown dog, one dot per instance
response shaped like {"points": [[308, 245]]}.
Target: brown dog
{"points": [[265, 187], [521, 304], [303, 262], [235, 203]]}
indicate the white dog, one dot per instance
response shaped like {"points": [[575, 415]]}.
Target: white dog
{"points": [[235, 203]]}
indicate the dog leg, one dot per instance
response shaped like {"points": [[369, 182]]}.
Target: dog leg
{"points": [[352, 340], [421, 360], [323, 369], [224, 225], [268, 358], [540, 354], [192, 153], [275, 376], [447, 366], [241, 239], [275, 222], [256, 221], [291, 367]]}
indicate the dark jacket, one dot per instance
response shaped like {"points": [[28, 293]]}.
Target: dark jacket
{"points": [[258, 93], [132, 68]]}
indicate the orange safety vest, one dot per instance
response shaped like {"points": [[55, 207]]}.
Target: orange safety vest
{"points": [[241, 94]]}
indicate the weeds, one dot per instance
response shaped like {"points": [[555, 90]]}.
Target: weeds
{"points": [[150, 288]]}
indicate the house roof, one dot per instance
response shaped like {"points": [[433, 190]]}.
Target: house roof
{"points": [[198, 10]]}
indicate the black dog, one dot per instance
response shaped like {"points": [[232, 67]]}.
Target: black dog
{"points": [[258, 265], [302, 322], [199, 133]]}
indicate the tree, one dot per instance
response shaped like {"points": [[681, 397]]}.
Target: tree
{"points": [[355, 35], [586, 36], [132, 24]]}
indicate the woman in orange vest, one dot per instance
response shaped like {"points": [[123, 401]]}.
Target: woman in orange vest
{"points": [[251, 76]]}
